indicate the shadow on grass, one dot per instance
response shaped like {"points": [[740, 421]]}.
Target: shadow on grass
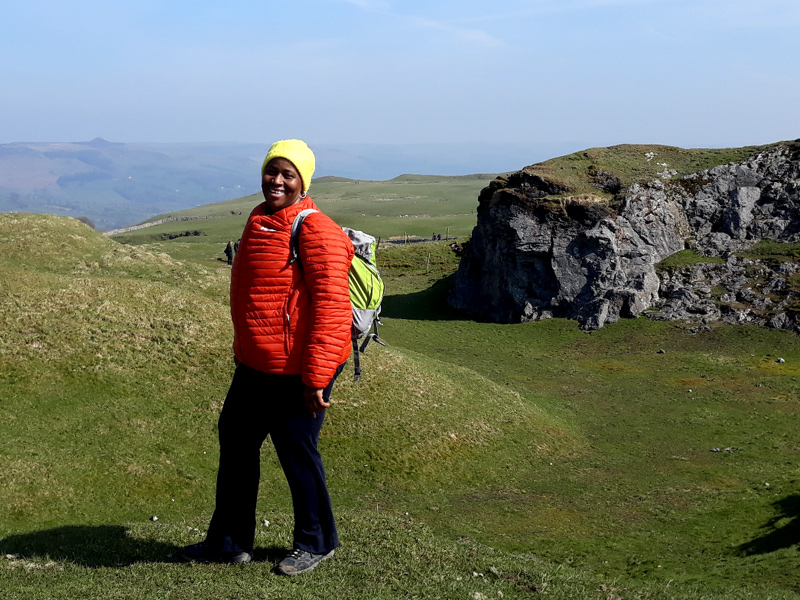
{"points": [[104, 546], [426, 305], [778, 536], [89, 546], [271, 554]]}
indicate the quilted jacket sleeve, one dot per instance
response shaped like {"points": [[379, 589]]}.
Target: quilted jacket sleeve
{"points": [[326, 253]]}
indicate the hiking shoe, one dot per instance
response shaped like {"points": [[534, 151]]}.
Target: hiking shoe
{"points": [[201, 553], [300, 561]]}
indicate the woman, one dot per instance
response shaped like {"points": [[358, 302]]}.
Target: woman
{"points": [[291, 322]]}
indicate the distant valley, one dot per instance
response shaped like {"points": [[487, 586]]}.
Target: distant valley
{"points": [[119, 184]]}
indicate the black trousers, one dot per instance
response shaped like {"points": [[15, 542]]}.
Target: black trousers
{"points": [[260, 404]]}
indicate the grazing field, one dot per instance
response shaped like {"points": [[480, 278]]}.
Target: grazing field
{"points": [[472, 460]]}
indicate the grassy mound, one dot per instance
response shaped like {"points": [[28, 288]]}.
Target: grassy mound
{"points": [[632, 163], [95, 329]]}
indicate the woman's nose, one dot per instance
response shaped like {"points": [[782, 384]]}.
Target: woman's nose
{"points": [[276, 179]]}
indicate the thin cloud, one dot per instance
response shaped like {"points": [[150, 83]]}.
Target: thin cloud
{"points": [[373, 5], [551, 7], [475, 36], [744, 14], [467, 34], [728, 13], [716, 14]]}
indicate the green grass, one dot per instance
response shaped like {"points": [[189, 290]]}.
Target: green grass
{"points": [[641, 494], [772, 252], [413, 205], [382, 557], [685, 258], [551, 461]]}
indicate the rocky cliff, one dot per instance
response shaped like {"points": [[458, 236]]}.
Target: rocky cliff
{"points": [[544, 247]]}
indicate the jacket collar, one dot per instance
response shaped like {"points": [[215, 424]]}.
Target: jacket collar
{"points": [[287, 215]]}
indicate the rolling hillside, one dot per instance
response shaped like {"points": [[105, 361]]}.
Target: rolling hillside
{"points": [[471, 459]]}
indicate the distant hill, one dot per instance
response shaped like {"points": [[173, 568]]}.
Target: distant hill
{"points": [[116, 184]]}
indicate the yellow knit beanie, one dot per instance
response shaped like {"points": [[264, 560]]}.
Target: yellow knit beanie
{"points": [[298, 153]]}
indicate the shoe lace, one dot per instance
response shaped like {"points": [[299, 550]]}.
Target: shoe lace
{"points": [[295, 553]]}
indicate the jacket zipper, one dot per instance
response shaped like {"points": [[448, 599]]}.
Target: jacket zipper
{"points": [[287, 336]]}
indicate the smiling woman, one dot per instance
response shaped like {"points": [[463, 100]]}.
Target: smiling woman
{"points": [[291, 338]]}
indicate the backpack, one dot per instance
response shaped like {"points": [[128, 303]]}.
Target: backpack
{"points": [[366, 287]]}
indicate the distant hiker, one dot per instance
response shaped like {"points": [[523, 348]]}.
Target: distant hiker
{"points": [[439, 237], [229, 252], [292, 321], [236, 246], [433, 239]]}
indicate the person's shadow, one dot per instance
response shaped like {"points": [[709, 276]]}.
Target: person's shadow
{"points": [[776, 534], [102, 546], [89, 546]]}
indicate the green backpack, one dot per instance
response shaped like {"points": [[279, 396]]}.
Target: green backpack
{"points": [[366, 287]]}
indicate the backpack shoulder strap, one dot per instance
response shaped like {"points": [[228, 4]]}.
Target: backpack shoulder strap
{"points": [[298, 221]]}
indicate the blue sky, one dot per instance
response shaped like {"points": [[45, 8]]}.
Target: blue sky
{"points": [[699, 73]]}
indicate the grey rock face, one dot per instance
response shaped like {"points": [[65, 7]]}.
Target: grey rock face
{"points": [[736, 205], [730, 292], [533, 257]]}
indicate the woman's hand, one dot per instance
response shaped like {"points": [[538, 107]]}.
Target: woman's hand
{"points": [[314, 401]]}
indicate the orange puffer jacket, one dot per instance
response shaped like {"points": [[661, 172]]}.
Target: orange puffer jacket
{"points": [[292, 318]]}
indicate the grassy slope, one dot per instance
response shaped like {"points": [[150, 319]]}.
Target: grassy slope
{"points": [[115, 363], [634, 503], [457, 423], [643, 494]]}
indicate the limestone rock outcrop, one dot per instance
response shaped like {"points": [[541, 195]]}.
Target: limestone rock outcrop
{"points": [[539, 252]]}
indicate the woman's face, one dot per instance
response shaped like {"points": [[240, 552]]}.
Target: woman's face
{"points": [[281, 184]]}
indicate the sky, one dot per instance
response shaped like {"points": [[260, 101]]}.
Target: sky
{"points": [[689, 73]]}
